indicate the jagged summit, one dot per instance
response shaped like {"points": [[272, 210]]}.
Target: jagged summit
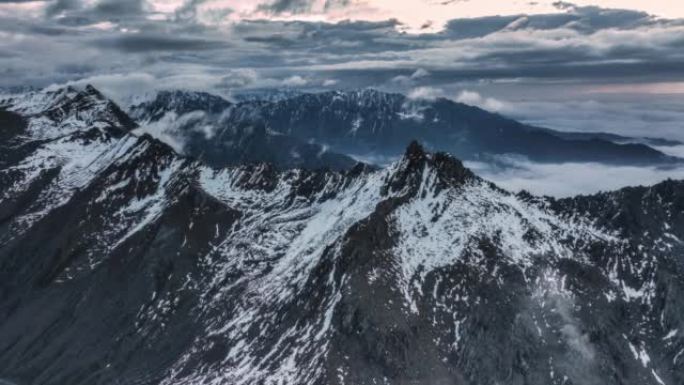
{"points": [[417, 168], [91, 90], [55, 112], [415, 153]]}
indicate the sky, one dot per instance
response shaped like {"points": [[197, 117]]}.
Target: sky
{"points": [[604, 47], [587, 65]]}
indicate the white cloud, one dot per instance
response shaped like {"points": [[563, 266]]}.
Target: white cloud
{"points": [[125, 89], [408, 81], [467, 97], [654, 116], [420, 73], [475, 99], [426, 93], [121, 87], [240, 78], [173, 129], [295, 81], [569, 179]]}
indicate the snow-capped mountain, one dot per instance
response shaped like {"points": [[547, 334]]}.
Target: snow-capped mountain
{"points": [[56, 112], [123, 262]]}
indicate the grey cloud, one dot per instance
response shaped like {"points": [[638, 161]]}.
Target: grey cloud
{"points": [[477, 27], [347, 37], [298, 6], [575, 72], [280, 6], [80, 13], [189, 10], [141, 43], [57, 7], [583, 19], [119, 7]]}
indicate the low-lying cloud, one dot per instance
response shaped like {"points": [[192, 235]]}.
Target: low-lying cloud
{"points": [[569, 179]]}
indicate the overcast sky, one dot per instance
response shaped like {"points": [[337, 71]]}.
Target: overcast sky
{"points": [[574, 66]]}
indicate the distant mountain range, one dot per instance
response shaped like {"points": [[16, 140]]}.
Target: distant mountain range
{"points": [[122, 262], [203, 124], [370, 124]]}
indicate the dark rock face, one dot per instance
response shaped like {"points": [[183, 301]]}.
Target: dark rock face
{"points": [[651, 220], [12, 125], [121, 262]]}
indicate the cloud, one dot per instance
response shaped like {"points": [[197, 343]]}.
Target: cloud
{"points": [[301, 6], [475, 99], [635, 115], [578, 45], [465, 96], [57, 7], [115, 8], [295, 81], [121, 87], [125, 89], [569, 179], [134, 43], [426, 93], [330, 83], [239, 78], [169, 129], [414, 78]]}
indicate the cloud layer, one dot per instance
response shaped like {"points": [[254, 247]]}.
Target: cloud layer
{"points": [[570, 179], [54, 41]]}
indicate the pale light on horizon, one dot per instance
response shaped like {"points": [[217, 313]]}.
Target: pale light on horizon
{"points": [[659, 88]]}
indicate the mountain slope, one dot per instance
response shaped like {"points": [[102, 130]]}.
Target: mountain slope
{"points": [[130, 264], [196, 121]]}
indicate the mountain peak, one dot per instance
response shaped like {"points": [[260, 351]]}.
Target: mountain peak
{"points": [[89, 88], [415, 151], [418, 166], [59, 111]]}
